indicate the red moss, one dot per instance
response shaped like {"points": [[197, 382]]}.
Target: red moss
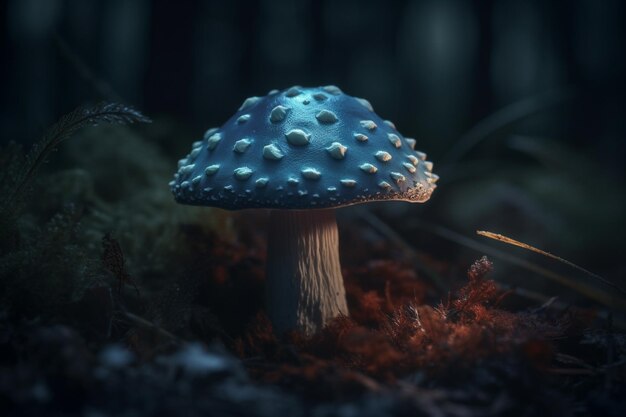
{"points": [[391, 333], [477, 292], [374, 290], [259, 339]]}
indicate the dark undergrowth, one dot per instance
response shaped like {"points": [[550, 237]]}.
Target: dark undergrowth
{"points": [[117, 301]]}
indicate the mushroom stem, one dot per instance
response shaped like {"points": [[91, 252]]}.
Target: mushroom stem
{"points": [[304, 282]]}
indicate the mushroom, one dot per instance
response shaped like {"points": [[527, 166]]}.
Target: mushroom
{"points": [[303, 152]]}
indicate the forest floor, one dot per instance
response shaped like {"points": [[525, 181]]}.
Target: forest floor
{"points": [[116, 301], [399, 353]]}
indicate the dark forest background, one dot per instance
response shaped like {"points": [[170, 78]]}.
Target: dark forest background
{"points": [[520, 104]]}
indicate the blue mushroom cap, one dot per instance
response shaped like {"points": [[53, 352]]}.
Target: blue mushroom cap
{"points": [[303, 148]]}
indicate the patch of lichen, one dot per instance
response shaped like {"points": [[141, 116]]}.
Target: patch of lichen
{"points": [[130, 175], [48, 270], [108, 179]]}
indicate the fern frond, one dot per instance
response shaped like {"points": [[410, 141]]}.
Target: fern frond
{"points": [[11, 160], [64, 128]]}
